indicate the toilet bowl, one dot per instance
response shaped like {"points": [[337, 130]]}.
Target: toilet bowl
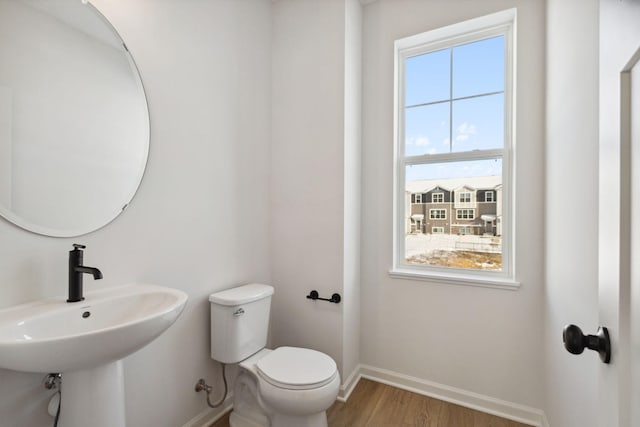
{"points": [[284, 387]]}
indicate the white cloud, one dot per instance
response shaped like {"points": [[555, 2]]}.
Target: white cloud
{"points": [[467, 129], [423, 140], [464, 130], [420, 141]]}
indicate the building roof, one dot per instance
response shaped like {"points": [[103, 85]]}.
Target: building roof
{"points": [[479, 183]]}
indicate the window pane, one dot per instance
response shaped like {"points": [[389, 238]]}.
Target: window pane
{"points": [[427, 129], [478, 123], [469, 230], [427, 77], [478, 67]]}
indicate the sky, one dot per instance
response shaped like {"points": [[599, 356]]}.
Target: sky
{"points": [[439, 116]]}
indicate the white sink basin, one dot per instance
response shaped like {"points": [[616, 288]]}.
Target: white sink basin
{"points": [[52, 335]]}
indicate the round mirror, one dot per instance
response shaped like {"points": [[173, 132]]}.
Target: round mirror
{"points": [[74, 123]]}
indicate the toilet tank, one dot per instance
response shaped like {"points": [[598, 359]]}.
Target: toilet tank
{"points": [[239, 321]]}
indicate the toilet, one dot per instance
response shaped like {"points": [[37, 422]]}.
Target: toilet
{"points": [[284, 387]]}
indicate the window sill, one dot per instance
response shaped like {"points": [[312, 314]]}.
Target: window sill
{"points": [[456, 279]]}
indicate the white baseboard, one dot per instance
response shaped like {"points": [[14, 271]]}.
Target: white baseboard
{"points": [[502, 408], [349, 384], [490, 405], [210, 415]]}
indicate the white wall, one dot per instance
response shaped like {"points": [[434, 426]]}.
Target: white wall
{"points": [[200, 220], [481, 340], [571, 247], [352, 191], [315, 176]]}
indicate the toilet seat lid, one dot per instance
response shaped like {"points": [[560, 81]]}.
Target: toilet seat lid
{"points": [[297, 368]]}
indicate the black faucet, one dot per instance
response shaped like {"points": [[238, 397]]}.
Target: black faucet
{"points": [[76, 270]]}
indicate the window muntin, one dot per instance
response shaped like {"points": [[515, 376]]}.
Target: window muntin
{"points": [[464, 197], [475, 134]]}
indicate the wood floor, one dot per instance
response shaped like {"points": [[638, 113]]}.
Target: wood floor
{"points": [[377, 405]]}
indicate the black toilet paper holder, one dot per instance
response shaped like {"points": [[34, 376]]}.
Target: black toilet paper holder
{"points": [[335, 298]]}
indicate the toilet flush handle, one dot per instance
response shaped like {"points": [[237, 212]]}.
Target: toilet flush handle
{"points": [[239, 312]]}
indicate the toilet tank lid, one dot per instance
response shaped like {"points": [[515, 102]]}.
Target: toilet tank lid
{"points": [[242, 294]]}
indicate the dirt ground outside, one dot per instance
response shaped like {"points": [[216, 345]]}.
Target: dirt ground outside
{"points": [[445, 250]]}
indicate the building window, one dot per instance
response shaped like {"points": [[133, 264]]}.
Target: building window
{"points": [[437, 214], [464, 197], [465, 231], [416, 198], [437, 230], [465, 213], [454, 121]]}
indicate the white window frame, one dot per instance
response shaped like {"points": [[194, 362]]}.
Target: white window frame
{"points": [[465, 231], [465, 197], [490, 193], [417, 196], [437, 230], [440, 196], [437, 210], [466, 213], [500, 23]]}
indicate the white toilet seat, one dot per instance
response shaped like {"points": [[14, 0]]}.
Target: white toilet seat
{"points": [[295, 368]]}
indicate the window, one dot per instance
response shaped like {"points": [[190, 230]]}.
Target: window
{"points": [[465, 213], [417, 198], [454, 121], [465, 198], [488, 196], [437, 230], [437, 213]]}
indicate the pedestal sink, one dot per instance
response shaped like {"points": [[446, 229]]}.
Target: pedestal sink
{"points": [[85, 342]]}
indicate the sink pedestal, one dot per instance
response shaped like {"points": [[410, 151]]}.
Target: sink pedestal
{"points": [[93, 397]]}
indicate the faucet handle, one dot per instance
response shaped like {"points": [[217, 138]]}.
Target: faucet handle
{"points": [[78, 246]]}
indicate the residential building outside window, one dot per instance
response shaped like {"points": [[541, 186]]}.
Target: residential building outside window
{"points": [[454, 148]]}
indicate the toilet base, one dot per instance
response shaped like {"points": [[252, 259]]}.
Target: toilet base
{"points": [[242, 420], [316, 420], [246, 420]]}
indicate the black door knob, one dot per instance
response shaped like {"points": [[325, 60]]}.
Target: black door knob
{"points": [[575, 341]]}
